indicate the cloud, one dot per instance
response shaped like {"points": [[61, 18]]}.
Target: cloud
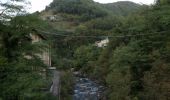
{"points": [[38, 5]]}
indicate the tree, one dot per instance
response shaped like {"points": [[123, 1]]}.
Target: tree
{"points": [[85, 9], [12, 8], [19, 77], [85, 56]]}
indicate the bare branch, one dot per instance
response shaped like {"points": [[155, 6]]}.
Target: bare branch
{"points": [[3, 11]]}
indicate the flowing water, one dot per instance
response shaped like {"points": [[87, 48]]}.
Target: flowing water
{"points": [[85, 89]]}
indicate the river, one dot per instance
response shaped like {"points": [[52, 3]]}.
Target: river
{"points": [[86, 89]]}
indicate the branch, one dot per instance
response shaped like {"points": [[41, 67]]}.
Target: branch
{"points": [[3, 11]]}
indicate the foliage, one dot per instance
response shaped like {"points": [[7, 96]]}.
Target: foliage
{"points": [[12, 8], [122, 8], [66, 86], [20, 78], [85, 56], [118, 78], [85, 8], [133, 66]]}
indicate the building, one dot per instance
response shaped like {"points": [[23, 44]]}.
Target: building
{"points": [[45, 53], [102, 43]]}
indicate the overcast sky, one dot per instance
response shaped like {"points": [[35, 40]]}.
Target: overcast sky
{"points": [[136, 1], [38, 5]]}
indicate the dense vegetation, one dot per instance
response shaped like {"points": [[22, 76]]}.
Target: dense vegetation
{"points": [[87, 9], [134, 65], [20, 77], [122, 8]]}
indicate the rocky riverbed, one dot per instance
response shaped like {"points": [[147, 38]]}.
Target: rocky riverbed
{"points": [[86, 89]]}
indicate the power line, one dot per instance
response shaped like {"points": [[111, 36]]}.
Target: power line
{"points": [[93, 36]]}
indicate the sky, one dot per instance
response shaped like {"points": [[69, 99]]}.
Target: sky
{"points": [[39, 5], [148, 2]]}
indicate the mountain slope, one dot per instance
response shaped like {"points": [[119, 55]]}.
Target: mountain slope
{"points": [[94, 9], [121, 7], [66, 15]]}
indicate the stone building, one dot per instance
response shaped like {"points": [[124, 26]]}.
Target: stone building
{"points": [[45, 53], [102, 43]]}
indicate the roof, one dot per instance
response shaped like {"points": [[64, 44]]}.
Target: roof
{"points": [[43, 36]]}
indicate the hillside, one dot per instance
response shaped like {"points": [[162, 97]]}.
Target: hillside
{"points": [[121, 7], [66, 15], [83, 50], [85, 17], [80, 7]]}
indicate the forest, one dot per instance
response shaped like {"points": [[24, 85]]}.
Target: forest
{"points": [[133, 66]]}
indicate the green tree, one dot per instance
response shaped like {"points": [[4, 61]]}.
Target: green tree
{"points": [[19, 77], [85, 57]]}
